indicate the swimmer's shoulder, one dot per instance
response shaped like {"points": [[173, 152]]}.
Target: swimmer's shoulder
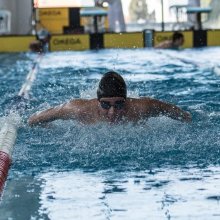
{"points": [[83, 106], [142, 104], [137, 108], [82, 103], [138, 105], [140, 100], [164, 45], [80, 109]]}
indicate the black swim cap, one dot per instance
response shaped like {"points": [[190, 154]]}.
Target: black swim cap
{"points": [[177, 36], [111, 85]]}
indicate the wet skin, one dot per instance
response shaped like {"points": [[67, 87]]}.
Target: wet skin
{"points": [[113, 110]]}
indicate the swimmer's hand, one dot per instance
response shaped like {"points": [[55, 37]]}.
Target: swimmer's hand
{"points": [[186, 117], [43, 125], [34, 120], [179, 114]]}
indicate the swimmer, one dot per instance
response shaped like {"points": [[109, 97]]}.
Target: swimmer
{"points": [[111, 105], [176, 42], [41, 45]]}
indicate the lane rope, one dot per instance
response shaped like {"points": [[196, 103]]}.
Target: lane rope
{"points": [[8, 133]]}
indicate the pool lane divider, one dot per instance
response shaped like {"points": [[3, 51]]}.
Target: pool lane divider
{"points": [[8, 133]]}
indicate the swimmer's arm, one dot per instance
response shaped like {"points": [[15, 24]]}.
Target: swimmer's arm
{"points": [[159, 108], [163, 45], [65, 111]]}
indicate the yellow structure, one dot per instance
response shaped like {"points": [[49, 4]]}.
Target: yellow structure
{"points": [[15, 43], [123, 40], [53, 19], [213, 38], [78, 42]]}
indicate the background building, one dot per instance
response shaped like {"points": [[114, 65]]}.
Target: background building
{"points": [[139, 14]]}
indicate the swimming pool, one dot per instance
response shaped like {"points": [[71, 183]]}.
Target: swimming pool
{"points": [[159, 169]]}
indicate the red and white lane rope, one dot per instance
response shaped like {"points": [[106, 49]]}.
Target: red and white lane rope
{"points": [[8, 131]]}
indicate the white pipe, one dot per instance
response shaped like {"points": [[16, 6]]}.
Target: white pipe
{"points": [[29, 79]]}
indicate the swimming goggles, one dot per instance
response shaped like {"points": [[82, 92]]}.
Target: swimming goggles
{"points": [[118, 105]]}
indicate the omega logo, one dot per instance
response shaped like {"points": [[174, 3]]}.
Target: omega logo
{"points": [[67, 41], [49, 13], [163, 38]]}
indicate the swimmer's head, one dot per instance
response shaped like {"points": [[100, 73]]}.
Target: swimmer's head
{"points": [[178, 39], [111, 85]]}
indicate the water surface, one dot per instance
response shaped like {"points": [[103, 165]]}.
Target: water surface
{"points": [[159, 169]]}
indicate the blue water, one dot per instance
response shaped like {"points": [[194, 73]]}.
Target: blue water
{"points": [[159, 169]]}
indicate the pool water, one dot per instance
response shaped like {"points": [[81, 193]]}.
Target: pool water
{"points": [[158, 169]]}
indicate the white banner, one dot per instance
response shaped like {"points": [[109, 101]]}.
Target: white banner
{"points": [[63, 3]]}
